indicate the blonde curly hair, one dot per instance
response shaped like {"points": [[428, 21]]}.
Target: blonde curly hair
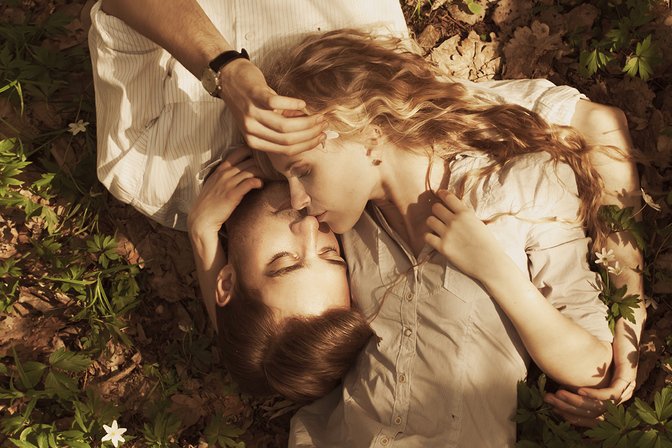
{"points": [[356, 79]]}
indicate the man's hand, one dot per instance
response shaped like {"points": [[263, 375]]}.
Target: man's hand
{"points": [[258, 111], [223, 191]]}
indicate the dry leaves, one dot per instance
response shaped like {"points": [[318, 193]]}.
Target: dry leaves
{"points": [[531, 50], [470, 58]]}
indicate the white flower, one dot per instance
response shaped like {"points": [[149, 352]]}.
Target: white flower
{"points": [[649, 201], [650, 302], [616, 270], [605, 257], [113, 434], [78, 127]]}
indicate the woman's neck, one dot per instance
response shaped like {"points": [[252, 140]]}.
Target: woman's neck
{"points": [[408, 200]]}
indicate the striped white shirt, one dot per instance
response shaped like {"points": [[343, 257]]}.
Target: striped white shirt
{"points": [[160, 133]]}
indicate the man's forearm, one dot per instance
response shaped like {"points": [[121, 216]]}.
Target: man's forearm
{"points": [[210, 258], [179, 26]]}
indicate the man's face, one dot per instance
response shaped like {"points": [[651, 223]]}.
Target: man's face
{"points": [[292, 259]]}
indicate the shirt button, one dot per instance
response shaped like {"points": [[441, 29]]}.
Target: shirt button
{"points": [[409, 296], [397, 421], [402, 378], [408, 332], [384, 441], [249, 36]]}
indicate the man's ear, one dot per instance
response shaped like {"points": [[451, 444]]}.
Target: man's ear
{"points": [[373, 141], [225, 281]]}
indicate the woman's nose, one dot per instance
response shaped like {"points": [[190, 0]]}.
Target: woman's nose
{"points": [[300, 199]]}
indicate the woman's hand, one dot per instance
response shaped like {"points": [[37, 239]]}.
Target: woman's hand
{"points": [[223, 191], [261, 114], [586, 407], [462, 238]]}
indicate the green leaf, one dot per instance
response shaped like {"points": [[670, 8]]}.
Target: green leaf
{"points": [[69, 361], [645, 412]]}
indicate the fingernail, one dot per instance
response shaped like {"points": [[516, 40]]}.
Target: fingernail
{"points": [[320, 118], [325, 126], [323, 137]]}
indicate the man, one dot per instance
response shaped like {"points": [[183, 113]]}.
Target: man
{"points": [[160, 132], [285, 321]]}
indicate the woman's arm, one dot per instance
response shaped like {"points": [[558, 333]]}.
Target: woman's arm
{"points": [[185, 31], [564, 350], [221, 194], [607, 126]]}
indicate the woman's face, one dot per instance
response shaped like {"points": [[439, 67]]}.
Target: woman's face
{"points": [[333, 183]]}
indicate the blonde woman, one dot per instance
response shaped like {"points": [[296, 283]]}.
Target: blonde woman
{"points": [[462, 293]]}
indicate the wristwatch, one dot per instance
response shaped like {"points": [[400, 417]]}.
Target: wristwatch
{"points": [[210, 73]]}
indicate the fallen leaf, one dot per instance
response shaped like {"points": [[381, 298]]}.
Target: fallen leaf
{"points": [[429, 37], [580, 21], [528, 47], [472, 59], [510, 14]]}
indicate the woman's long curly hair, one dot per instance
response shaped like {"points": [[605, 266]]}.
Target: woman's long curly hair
{"points": [[355, 80]]}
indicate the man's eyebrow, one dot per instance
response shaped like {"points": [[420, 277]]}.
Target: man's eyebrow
{"points": [[295, 267]]}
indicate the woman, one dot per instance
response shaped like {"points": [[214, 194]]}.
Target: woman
{"points": [[456, 302]]}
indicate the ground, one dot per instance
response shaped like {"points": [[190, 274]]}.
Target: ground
{"points": [[98, 299]]}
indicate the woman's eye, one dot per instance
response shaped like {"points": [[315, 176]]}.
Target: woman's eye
{"points": [[303, 173]]}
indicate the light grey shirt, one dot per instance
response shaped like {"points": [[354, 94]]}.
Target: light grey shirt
{"points": [[445, 371]]}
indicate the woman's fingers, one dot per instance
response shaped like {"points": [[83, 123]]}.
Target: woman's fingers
{"points": [[437, 225], [615, 391], [452, 202]]}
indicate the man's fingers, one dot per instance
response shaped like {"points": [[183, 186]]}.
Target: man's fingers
{"points": [[288, 150], [246, 185], [277, 128], [237, 155], [284, 102]]}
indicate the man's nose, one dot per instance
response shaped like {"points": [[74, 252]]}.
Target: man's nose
{"points": [[307, 229]]}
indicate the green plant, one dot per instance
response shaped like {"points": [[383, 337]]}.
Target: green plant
{"points": [[221, 433], [615, 46]]}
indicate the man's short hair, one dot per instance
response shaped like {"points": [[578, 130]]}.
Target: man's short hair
{"points": [[300, 358]]}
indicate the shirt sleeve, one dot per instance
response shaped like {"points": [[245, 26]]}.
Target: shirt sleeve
{"points": [[557, 250], [555, 104], [127, 67]]}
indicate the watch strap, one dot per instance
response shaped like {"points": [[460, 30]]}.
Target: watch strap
{"points": [[228, 56]]}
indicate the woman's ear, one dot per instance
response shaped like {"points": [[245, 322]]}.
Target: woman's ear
{"points": [[373, 141], [225, 281]]}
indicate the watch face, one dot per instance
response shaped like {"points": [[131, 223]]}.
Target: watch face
{"points": [[209, 80]]}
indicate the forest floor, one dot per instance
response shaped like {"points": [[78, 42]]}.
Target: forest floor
{"points": [[96, 298]]}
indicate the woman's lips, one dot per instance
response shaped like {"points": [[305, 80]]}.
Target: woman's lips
{"points": [[320, 217]]}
